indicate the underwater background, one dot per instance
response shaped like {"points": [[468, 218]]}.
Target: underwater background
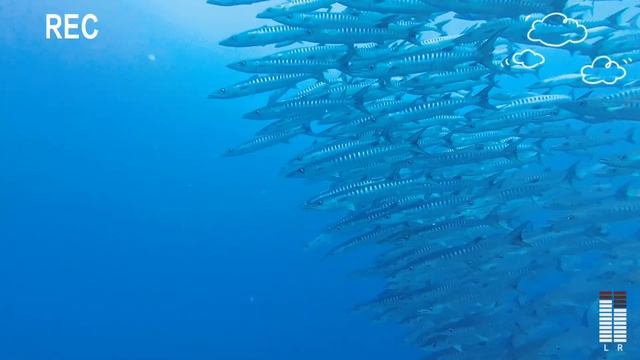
{"points": [[123, 232]]}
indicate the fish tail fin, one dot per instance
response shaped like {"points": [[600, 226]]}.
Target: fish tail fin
{"points": [[633, 135], [485, 52], [571, 175], [358, 99], [483, 97], [414, 140], [343, 62], [385, 21], [414, 34], [440, 25], [624, 191], [493, 82], [560, 5], [515, 237], [511, 152], [633, 21], [598, 231], [493, 218], [448, 138], [615, 19]]}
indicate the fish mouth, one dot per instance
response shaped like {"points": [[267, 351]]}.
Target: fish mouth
{"points": [[292, 172], [310, 205], [218, 95], [607, 161], [226, 42], [266, 14], [252, 116]]}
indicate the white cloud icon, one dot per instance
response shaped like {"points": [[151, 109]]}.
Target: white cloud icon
{"points": [[545, 31], [603, 70], [529, 59]]}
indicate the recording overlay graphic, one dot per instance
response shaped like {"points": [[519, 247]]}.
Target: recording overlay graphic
{"points": [[613, 318]]}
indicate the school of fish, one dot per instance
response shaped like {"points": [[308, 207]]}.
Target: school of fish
{"points": [[501, 201]]}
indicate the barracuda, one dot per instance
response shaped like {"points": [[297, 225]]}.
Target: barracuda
{"points": [[501, 119], [263, 141], [284, 65], [433, 61], [460, 140], [317, 52], [440, 107], [499, 8], [481, 171], [417, 7], [358, 35], [537, 101], [446, 77], [380, 234], [264, 35], [292, 7], [258, 84], [335, 20], [293, 107]]}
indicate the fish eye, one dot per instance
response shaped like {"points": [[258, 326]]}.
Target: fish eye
{"points": [[570, 217], [301, 170], [371, 67], [450, 330], [222, 90], [309, 32], [243, 63]]}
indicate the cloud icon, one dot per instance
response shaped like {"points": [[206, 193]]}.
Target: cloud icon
{"points": [[603, 70], [557, 30], [528, 59]]}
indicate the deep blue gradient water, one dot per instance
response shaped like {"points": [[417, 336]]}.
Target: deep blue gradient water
{"points": [[123, 233]]}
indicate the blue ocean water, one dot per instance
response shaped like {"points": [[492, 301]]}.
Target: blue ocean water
{"points": [[125, 235]]}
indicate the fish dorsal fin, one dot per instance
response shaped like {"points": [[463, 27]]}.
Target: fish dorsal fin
{"points": [[585, 96], [516, 238], [623, 192]]}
